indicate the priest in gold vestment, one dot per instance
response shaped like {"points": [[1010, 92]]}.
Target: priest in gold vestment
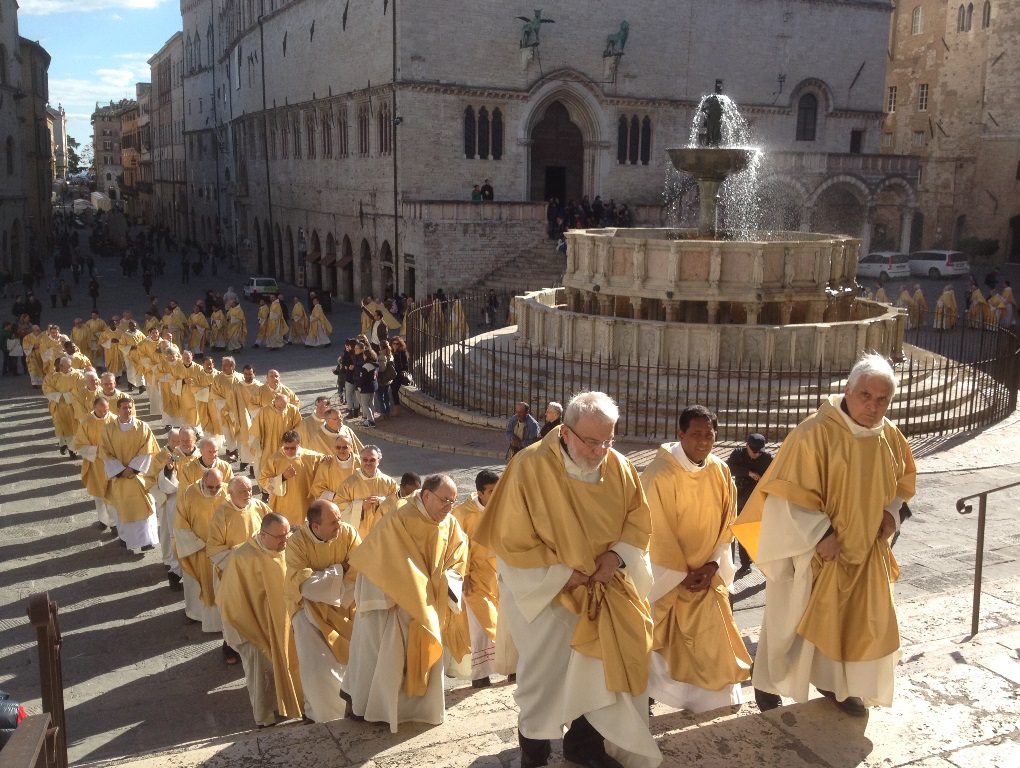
{"points": [[251, 597], [570, 527], [287, 477], [410, 575], [86, 443], [334, 468], [699, 659], [192, 521], [476, 626], [828, 507], [320, 429], [320, 598], [362, 496], [126, 448], [265, 435]]}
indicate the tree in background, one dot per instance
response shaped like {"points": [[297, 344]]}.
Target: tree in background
{"points": [[73, 158]]}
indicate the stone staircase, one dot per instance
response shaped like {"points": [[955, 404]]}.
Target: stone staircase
{"points": [[533, 268], [475, 376]]}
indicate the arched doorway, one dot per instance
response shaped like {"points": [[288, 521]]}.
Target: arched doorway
{"points": [[1014, 239], [329, 266], [278, 261], [365, 267], [270, 263], [557, 156], [346, 285], [288, 266], [258, 245], [839, 210], [313, 277], [386, 268]]}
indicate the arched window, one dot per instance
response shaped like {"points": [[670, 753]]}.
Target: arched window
{"points": [[635, 140], [3, 65], [9, 151], [961, 19], [646, 140], [970, 15], [198, 51], [209, 44], [469, 133], [807, 117], [483, 133], [497, 134], [917, 21], [986, 15], [188, 54]]}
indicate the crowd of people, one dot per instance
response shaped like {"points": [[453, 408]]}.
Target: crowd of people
{"points": [[996, 310], [343, 591], [561, 216]]}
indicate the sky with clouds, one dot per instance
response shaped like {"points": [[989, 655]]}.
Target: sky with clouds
{"points": [[99, 49]]}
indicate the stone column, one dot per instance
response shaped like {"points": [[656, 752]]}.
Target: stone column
{"points": [[869, 222], [713, 312], [785, 312], [672, 310], [605, 304], [753, 309], [637, 306], [906, 229]]}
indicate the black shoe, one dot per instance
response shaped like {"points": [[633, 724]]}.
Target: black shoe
{"points": [[481, 682], [534, 752], [175, 582], [147, 548], [100, 526], [349, 708], [63, 450], [742, 571], [113, 530], [72, 454], [852, 705], [141, 390], [512, 679], [766, 700], [244, 465]]}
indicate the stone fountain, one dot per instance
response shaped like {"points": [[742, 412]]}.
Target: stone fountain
{"points": [[705, 295]]}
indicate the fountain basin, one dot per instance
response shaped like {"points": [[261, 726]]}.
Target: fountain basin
{"points": [[712, 163]]}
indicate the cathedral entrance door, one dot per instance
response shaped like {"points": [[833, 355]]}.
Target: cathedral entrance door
{"points": [[557, 156]]}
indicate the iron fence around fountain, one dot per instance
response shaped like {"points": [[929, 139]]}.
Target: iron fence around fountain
{"points": [[951, 381]]}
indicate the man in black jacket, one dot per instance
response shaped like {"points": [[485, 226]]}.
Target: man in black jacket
{"points": [[747, 465]]}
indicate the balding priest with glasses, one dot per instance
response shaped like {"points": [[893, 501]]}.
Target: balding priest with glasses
{"points": [[570, 528]]}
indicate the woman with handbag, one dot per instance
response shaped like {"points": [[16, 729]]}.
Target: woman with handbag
{"points": [[401, 364]]}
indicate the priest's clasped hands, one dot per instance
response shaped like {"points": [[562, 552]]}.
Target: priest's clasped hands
{"points": [[700, 579], [606, 566]]}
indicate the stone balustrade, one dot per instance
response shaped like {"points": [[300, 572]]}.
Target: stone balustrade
{"points": [[466, 210], [546, 325]]}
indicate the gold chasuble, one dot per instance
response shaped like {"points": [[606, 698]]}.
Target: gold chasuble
{"points": [[307, 554], [483, 599], [354, 490], [194, 512], [232, 525], [251, 599], [128, 495], [539, 516], [850, 478], [691, 516], [86, 442], [407, 557], [289, 496]]}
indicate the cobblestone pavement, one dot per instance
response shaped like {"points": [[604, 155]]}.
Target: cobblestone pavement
{"points": [[140, 682]]}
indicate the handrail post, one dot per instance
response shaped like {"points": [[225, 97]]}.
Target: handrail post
{"points": [[42, 613], [979, 557]]}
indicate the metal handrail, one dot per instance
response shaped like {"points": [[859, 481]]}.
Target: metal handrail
{"points": [[979, 559]]}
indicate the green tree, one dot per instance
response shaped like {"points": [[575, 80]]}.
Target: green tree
{"points": [[73, 158]]}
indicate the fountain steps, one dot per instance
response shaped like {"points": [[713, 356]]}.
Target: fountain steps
{"points": [[931, 396], [530, 270]]}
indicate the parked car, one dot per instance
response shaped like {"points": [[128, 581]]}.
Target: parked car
{"points": [[260, 286], [939, 264], [884, 265]]}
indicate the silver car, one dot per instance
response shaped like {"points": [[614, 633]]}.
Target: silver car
{"points": [[939, 264], [884, 265]]}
